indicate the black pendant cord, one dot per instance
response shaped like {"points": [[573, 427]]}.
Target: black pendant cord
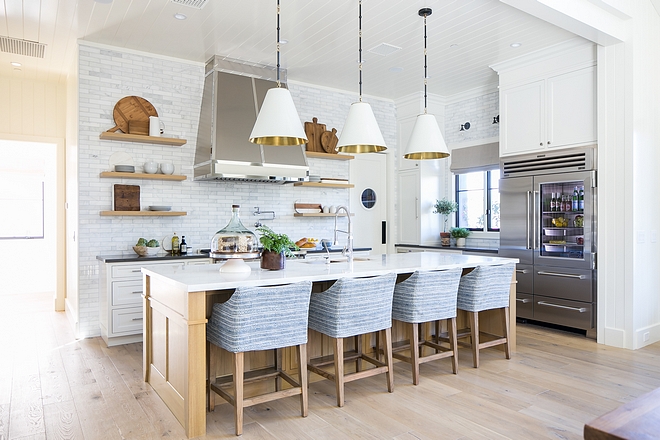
{"points": [[425, 65], [278, 43], [360, 44]]}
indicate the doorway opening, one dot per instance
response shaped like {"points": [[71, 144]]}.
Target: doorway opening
{"points": [[28, 223]]}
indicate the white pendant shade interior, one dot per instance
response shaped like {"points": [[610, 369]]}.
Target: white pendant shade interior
{"points": [[360, 133], [278, 122], [426, 141]]}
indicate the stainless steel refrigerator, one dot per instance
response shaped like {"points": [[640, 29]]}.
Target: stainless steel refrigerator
{"points": [[548, 222]]}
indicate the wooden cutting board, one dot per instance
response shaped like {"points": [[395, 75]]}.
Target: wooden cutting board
{"points": [[127, 197], [131, 108], [313, 131], [329, 141]]}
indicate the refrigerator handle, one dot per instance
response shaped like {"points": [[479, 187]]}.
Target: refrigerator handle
{"points": [[535, 221], [416, 208], [527, 243]]}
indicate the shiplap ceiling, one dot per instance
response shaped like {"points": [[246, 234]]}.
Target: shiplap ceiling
{"points": [[321, 34]]}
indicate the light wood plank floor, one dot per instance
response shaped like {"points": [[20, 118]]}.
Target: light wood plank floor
{"points": [[55, 387]]}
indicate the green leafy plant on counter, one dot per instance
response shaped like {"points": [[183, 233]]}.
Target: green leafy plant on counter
{"points": [[460, 232], [274, 242], [445, 207]]}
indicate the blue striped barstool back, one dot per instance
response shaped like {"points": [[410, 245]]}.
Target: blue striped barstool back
{"points": [[261, 318], [485, 288], [426, 296], [353, 306]]}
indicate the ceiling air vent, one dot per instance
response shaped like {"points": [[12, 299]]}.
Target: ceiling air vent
{"points": [[197, 4], [22, 47], [384, 49]]}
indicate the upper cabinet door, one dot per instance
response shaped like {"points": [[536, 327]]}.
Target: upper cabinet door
{"points": [[522, 112], [571, 109]]}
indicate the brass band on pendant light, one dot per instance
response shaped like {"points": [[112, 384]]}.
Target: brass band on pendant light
{"points": [[360, 133], [426, 141], [278, 122]]}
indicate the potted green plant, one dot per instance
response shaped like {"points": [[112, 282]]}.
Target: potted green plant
{"points": [[276, 248], [460, 234], [445, 207]]}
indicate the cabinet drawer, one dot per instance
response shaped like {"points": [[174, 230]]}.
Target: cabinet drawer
{"points": [[135, 270], [127, 320], [563, 312], [564, 283], [524, 305], [525, 278], [198, 262], [126, 293]]}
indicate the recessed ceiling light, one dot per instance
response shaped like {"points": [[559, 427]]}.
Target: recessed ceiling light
{"points": [[454, 46], [15, 64], [516, 44], [283, 41], [396, 69], [180, 16]]}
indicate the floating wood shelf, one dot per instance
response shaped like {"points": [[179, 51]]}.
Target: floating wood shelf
{"points": [[116, 174], [329, 156], [325, 185], [144, 213], [109, 136], [317, 214]]}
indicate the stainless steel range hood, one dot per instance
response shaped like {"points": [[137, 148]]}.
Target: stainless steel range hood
{"points": [[233, 94]]}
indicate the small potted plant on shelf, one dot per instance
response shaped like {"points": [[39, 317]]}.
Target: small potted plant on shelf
{"points": [[445, 207], [460, 234], [276, 248]]}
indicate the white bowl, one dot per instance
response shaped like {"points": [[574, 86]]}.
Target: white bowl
{"points": [[166, 168], [151, 167], [145, 250]]}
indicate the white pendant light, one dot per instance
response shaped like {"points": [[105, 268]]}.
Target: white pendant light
{"points": [[426, 141], [360, 133], [278, 122]]}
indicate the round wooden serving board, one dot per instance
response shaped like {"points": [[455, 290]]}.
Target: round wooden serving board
{"points": [[131, 108]]}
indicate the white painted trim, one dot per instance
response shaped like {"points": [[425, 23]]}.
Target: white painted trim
{"points": [[614, 337], [138, 52], [563, 48], [654, 336], [332, 89], [472, 93]]}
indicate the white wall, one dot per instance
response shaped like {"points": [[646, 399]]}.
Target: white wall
{"points": [[174, 88]]}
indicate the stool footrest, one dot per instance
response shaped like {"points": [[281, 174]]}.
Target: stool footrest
{"points": [[322, 361], [249, 376], [381, 367]]}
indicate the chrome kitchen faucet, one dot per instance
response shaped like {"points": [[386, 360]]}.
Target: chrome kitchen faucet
{"points": [[348, 250]]}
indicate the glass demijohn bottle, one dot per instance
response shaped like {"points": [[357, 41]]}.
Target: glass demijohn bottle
{"points": [[234, 240]]}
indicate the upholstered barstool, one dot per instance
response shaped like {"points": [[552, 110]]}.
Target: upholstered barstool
{"points": [[351, 307], [486, 288], [259, 318], [427, 297]]}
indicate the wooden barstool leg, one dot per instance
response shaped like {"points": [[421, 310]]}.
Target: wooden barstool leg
{"points": [[505, 324], [339, 370], [238, 366], [474, 334], [414, 352], [211, 363], [437, 334], [302, 369], [388, 358], [377, 351], [278, 367], [358, 349], [453, 343]]}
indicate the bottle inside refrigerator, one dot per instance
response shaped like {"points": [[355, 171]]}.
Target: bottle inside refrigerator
{"points": [[562, 229]]}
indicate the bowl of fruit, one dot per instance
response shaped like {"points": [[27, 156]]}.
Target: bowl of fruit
{"points": [[146, 247]]}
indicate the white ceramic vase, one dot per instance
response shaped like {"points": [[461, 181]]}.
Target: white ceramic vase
{"points": [[460, 242]]}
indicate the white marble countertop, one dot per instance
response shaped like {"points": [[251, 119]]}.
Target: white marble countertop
{"points": [[208, 277]]}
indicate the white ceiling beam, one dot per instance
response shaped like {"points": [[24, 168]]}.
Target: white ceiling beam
{"points": [[594, 20]]}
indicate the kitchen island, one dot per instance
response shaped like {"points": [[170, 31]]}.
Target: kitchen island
{"points": [[178, 301]]}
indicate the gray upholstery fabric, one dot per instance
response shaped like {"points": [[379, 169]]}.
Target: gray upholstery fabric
{"points": [[353, 306], [485, 288], [261, 318], [426, 296]]}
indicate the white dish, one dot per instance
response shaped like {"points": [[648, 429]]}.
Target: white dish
{"points": [[160, 208], [166, 244], [124, 168]]}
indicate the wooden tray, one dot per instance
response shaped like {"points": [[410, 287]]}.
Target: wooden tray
{"points": [[131, 108], [307, 208]]}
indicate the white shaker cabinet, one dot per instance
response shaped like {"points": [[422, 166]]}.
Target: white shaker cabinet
{"points": [[556, 112], [120, 298], [418, 190], [409, 223]]}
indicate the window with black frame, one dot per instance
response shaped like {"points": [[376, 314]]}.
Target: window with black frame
{"points": [[478, 198]]}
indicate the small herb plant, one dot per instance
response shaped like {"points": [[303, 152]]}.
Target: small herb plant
{"points": [[278, 243], [445, 207], [459, 232]]}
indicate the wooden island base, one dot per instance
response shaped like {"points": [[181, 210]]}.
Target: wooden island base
{"points": [[176, 312]]}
